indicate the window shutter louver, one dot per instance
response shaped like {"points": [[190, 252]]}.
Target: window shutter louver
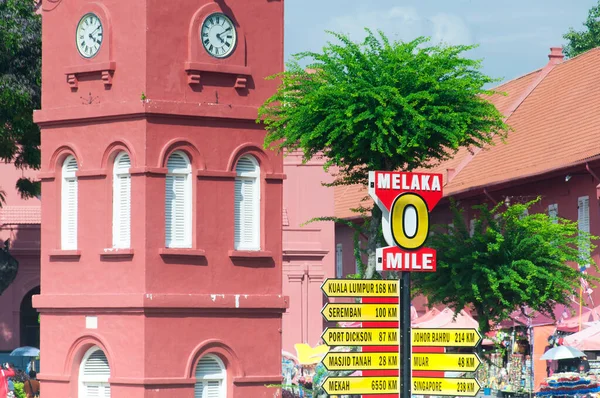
{"points": [[553, 212], [247, 205], [339, 267], [95, 372], [122, 203], [210, 378], [178, 201], [69, 205], [93, 391], [583, 218]]}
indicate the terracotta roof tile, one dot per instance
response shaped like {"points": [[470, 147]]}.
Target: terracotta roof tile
{"points": [[14, 215], [555, 126]]}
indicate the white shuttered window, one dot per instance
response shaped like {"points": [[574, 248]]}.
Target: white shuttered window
{"points": [[122, 202], [94, 372], [247, 204], [553, 212], [211, 378], [583, 221], [339, 265], [178, 202], [68, 215]]}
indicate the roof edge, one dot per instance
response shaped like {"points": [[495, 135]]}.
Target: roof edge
{"points": [[526, 176]]}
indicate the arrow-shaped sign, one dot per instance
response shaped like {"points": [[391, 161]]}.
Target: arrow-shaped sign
{"points": [[445, 337], [390, 360], [360, 337], [440, 386], [360, 288], [361, 385], [361, 361], [445, 362], [360, 312]]}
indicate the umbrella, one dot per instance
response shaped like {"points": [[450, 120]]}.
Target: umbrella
{"points": [[562, 352], [25, 352]]}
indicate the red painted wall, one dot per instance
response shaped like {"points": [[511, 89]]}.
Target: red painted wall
{"points": [[152, 90]]}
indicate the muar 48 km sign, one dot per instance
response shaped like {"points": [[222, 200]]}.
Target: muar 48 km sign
{"points": [[405, 200]]}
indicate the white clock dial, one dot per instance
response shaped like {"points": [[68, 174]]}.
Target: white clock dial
{"points": [[89, 35], [218, 35]]}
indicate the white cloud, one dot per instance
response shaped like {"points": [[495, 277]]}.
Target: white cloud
{"points": [[403, 23], [450, 29]]}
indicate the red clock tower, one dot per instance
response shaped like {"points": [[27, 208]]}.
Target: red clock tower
{"points": [[161, 214]]}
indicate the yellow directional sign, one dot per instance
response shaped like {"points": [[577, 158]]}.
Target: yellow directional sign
{"points": [[361, 361], [360, 288], [360, 337], [440, 386], [361, 385], [390, 360], [445, 337], [445, 362], [360, 312]]}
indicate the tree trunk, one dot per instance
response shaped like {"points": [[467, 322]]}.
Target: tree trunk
{"points": [[373, 243]]}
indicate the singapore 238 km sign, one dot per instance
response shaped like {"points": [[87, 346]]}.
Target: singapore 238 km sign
{"points": [[405, 200]]}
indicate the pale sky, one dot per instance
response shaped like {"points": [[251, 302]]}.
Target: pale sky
{"points": [[514, 36]]}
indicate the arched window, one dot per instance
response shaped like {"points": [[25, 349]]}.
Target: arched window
{"points": [[68, 235], [211, 378], [122, 201], [94, 372], [178, 201], [247, 204]]}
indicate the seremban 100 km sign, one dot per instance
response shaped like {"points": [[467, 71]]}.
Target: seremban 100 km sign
{"points": [[405, 200]]}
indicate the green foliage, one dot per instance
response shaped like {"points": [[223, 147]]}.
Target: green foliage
{"points": [[20, 80], [511, 261], [581, 41], [19, 390], [381, 105]]}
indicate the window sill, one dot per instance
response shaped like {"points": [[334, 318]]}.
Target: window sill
{"points": [[248, 254], [65, 254], [173, 252], [116, 253]]}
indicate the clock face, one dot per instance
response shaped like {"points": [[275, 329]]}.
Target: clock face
{"points": [[89, 35], [218, 35]]}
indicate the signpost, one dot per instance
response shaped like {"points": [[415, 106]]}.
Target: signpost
{"points": [[445, 338], [390, 360], [359, 288], [405, 200], [440, 386], [446, 362], [341, 312], [360, 337], [361, 385]]}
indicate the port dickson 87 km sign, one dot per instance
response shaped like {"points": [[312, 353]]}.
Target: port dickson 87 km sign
{"points": [[405, 200]]}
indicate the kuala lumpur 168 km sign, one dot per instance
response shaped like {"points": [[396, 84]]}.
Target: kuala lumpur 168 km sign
{"points": [[405, 200]]}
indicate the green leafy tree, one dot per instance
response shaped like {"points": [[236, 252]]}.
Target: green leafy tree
{"points": [[380, 105], [581, 41], [20, 71], [510, 262]]}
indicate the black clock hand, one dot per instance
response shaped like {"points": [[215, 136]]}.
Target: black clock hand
{"points": [[220, 38], [94, 31]]}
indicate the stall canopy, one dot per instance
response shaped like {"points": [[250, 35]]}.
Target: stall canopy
{"points": [[586, 340], [445, 319], [575, 323], [426, 316], [532, 318]]}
